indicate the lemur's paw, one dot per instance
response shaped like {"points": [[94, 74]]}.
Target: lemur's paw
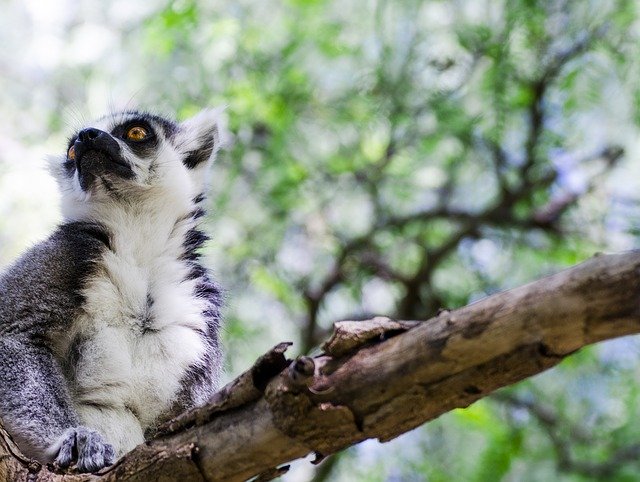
{"points": [[87, 448]]}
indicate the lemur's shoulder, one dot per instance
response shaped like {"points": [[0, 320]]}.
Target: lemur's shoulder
{"points": [[44, 285]]}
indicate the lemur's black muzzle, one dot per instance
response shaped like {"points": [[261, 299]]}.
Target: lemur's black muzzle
{"points": [[98, 153]]}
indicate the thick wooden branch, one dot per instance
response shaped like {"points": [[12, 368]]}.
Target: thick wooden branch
{"points": [[378, 379]]}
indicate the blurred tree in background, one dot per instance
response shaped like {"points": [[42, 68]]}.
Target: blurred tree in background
{"points": [[382, 157]]}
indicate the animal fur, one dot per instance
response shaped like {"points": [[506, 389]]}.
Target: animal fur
{"points": [[110, 326]]}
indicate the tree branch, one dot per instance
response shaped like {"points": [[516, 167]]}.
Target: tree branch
{"points": [[378, 379]]}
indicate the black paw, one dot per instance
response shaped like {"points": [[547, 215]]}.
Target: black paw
{"points": [[87, 448]]}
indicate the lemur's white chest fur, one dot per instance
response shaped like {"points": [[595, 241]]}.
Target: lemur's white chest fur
{"points": [[141, 324], [139, 327]]}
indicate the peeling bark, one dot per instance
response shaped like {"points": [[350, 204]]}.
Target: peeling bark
{"points": [[376, 379]]}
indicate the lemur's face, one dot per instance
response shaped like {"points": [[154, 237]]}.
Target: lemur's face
{"points": [[131, 156]]}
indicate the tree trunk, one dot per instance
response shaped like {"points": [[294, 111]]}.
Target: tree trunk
{"points": [[378, 378]]}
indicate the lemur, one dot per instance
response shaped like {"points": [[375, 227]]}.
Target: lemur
{"points": [[110, 326]]}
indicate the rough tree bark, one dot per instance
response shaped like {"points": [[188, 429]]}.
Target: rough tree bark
{"points": [[378, 378]]}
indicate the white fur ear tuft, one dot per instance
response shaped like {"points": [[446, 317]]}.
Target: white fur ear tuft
{"points": [[199, 138], [55, 166]]}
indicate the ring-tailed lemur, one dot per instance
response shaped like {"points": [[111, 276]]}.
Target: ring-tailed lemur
{"points": [[110, 326]]}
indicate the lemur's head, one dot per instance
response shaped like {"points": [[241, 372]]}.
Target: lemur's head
{"points": [[131, 157]]}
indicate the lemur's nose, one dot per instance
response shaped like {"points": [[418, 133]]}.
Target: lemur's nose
{"points": [[88, 134]]}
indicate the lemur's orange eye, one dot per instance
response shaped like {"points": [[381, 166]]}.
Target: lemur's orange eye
{"points": [[136, 133], [71, 153]]}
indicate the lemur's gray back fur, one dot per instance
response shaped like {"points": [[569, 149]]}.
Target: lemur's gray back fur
{"points": [[110, 325]]}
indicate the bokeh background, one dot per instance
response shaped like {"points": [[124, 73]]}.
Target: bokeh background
{"points": [[381, 157]]}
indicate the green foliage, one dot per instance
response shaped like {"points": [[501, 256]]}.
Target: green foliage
{"points": [[388, 158]]}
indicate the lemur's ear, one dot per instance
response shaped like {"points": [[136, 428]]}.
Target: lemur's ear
{"points": [[198, 138]]}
